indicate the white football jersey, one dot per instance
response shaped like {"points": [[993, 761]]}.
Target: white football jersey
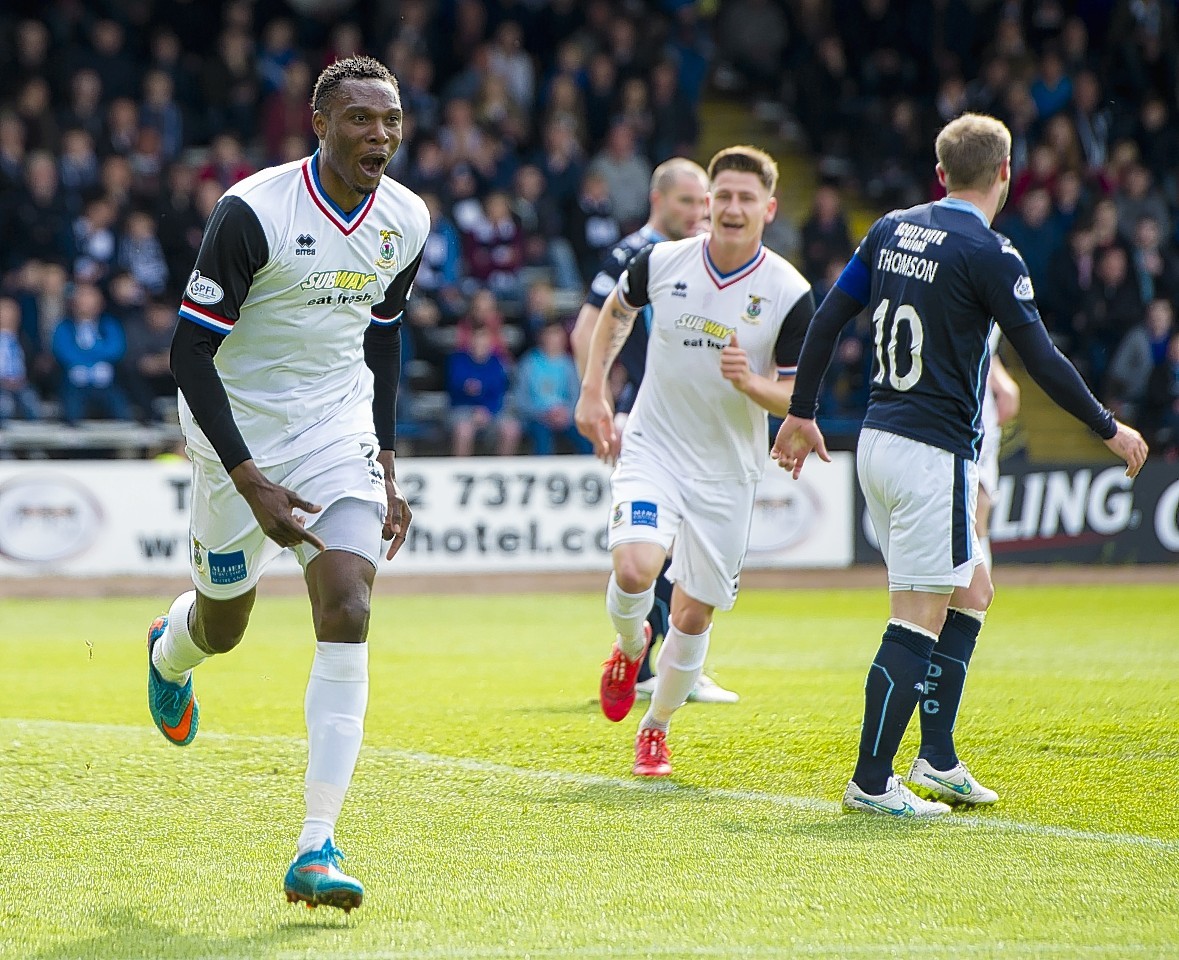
{"points": [[294, 282], [686, 414]]}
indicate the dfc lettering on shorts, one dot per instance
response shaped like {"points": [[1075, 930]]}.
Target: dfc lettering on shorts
{"points": [[227, 567]]}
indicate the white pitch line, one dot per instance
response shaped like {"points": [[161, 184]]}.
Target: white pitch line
{"points": [[471, 765], [815, 950]]}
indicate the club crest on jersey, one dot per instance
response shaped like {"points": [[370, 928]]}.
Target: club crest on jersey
{"points": [[753, 308], [388, 256]]}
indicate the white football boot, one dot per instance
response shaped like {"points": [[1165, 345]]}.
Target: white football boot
{"points": [[896, 801], [956, 785]]}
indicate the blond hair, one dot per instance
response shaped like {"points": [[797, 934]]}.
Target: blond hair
{"points": [[745, 159], [970, 149], [668, 172]]}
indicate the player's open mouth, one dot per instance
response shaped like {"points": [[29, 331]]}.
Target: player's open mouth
{"points": [[373, 164]]}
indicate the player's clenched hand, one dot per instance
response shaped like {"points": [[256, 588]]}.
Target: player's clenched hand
{"points": [[735, 364], [1128, 444], [795, 441], [273, 507], [595, 422], [398, 518]]}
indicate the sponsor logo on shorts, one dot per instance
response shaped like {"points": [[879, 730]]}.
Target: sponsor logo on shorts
{"points": [[227, 567], [203, 290], [644, 514]]}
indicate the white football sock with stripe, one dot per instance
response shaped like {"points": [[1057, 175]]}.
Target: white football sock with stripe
{"points": [[174, 654], [337, 696]]}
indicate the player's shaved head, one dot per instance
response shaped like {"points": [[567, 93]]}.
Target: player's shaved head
{"points": [[352, 68], [668, 173], [971, 149], [745, 159]]}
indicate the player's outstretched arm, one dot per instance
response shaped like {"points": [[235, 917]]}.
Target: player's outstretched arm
{"points": [[1058, 378], [583, 331], [594, 415]]}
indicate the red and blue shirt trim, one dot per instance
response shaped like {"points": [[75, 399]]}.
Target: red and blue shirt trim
{"points": [[346, 221], [206, 318], [723, 280]]}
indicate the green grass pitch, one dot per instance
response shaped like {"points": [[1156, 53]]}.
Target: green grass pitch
{"points": [[493, 814]]}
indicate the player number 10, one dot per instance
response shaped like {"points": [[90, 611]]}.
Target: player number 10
{"points": [[905, 314]]}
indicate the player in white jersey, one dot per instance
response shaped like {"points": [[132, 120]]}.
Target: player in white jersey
{"points": [[287, 354], [1000, 405], [727, 322]]}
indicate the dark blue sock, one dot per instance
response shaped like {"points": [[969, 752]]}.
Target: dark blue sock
{"points": [[895, 681], [659, 618], [943, 688]]}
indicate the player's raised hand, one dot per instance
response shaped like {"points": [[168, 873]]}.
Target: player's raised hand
{"points": [[595, 422], [735, 363], [1128, 444], [274, 507], [796, 439]]}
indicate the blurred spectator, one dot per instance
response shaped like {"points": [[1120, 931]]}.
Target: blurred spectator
{"points": [[1071, 276], [1161, 418], [77, 168], [285, 113], [1155, 266], [1140, 351], [674, 128], [147, 365], [509, 61], [12, 151], [33, 106], [108, 56], [562, 163], [161, 113], [37, 213], [277, 53], [227, 163], [95, 242], [441, 267], [181, 223], [17, 396], [1139, 198], [593, 226], [122, 127], [477, 384], [1052, 89], [1091, 119], [140, 252], [88, 344], [230, 85], [494, 249], [1111, 308], [84, 111], [546, 392], [483, 314], [627, 175], [825, 235], [751, 39], [1034, 233], [416, 96]]}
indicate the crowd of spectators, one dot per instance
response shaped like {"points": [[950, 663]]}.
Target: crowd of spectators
{"points": [[531, 132], [1089, 90], [532, 127]]}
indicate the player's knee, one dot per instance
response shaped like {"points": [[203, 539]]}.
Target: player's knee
{"points": [[692, 621], [344, 620], [221, 629], [632, 575]]}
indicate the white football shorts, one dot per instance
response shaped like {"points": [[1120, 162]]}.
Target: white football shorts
{"points": [[922, 503], [229, 552], [988, 456], [707, 521]]}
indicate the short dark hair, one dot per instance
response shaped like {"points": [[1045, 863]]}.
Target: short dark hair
{"points": [[745, 159], [352, 68]]}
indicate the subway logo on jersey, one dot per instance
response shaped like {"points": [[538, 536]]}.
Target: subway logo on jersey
{"points": [[692, 321], [338, 280]]}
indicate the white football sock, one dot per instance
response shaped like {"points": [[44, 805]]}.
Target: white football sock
{"points": [[628, 612], [337, 695], [677, 668], [175, 654]]}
